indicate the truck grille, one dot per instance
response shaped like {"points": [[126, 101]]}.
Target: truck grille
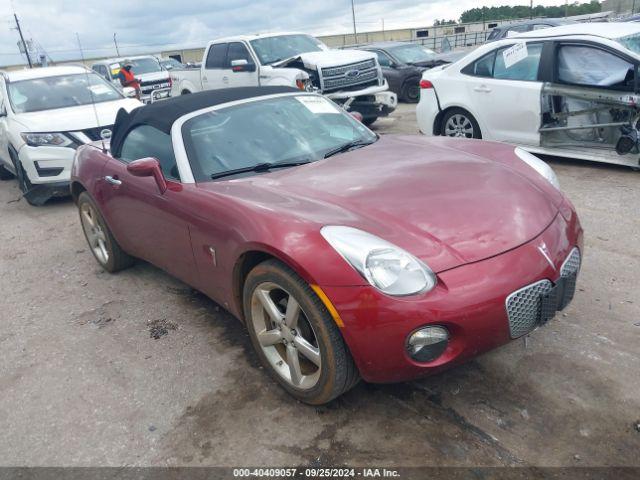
{"points": [[524, 305], [148, 87], [345, 76]]}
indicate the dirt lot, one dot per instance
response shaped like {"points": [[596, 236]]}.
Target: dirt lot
{"points": [[138, 369]]}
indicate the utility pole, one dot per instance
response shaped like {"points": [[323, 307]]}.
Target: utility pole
{"points": [[566, 8], [24, 44], [383, 37], [353, 14], [531, 9], [116, 44]]}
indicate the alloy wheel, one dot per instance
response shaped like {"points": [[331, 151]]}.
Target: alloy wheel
{"points": [[285, 335], [459, 126], [94, 232]]}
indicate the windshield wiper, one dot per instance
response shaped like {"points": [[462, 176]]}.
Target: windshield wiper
{"points": [[260, 167], [348, 146]]}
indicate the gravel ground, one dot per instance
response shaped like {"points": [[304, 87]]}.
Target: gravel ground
{"points": [[138, 369]]}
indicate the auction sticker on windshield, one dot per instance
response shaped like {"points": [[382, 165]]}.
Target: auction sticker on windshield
{"points": [[515, 54], [318, 104]]}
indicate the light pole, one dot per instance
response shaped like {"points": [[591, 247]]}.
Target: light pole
{"points": [[353, 14], [116, 44]]}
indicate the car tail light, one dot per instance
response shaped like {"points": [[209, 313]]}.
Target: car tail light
{"points": [[300, 84], [170, 81], [425, 84]]}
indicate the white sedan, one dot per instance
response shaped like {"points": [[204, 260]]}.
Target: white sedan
{"points": [[570, 91], [45, 115]]}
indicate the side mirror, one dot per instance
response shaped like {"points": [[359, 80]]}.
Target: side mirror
{"points": [[129, 92], [242, 65], [148, 167]]}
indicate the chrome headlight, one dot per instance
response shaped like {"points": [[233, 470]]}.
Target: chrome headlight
{"points": [[539, 166], [385, 266], [47, 140]]}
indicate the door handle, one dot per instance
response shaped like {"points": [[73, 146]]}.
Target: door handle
{"points": [[225, 79], [483, 89], [113, 181]]}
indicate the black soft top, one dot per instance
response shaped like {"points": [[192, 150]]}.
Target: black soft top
{"points": [[163, 114]]}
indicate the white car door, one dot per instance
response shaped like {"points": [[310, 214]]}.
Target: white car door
{"points": [[505, 93], [213, 72], [240, 67]]}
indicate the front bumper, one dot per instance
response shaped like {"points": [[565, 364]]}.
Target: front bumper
{"points": [[155, 95], [375, 101], [47, 165], [469, 301]]}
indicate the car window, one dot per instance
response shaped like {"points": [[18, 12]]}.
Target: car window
{"points": [[494, 34], [525, 69], [484, 66], [216, 57], [514, 30], [585, 65], [541, 26], [237, 51], [383, 58], [146, 141]]}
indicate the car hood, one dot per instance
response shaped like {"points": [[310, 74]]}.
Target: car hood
{"points": [[153, 76], [328, 58], [445, 206], [75, 118]]}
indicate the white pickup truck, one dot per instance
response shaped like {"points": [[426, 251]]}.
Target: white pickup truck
{"points": [[351, 78]]}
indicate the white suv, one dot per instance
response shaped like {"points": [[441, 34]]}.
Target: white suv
{"points": [[45, 114]]}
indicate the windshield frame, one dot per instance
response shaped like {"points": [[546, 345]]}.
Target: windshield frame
{"points": [[620, 42], [180, 149], [414, 46], [319, 44], [8, 84]]}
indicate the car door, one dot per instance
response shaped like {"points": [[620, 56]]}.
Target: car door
{"points": [[393, 76], [505, 93], [147, 223], [213, 72], [240, 75]]}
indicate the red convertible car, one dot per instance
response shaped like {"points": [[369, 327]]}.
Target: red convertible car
{"points": [[347, 255]]}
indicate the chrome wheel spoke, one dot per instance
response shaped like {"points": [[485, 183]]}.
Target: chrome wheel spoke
{"points": [[270, 306], [307, 350], [268, 338], [293, 312], [294, 365]]}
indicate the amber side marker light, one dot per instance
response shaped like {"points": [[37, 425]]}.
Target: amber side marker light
{"points": [[327, 303]]}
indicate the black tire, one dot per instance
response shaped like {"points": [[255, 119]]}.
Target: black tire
{"points": [[337, 372], [185, 92], [411, 90], [117, 259], [368, 121], [459, 116], [5, 174]]}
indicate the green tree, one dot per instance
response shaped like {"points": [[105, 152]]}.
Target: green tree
{"points": [[524, 11]]}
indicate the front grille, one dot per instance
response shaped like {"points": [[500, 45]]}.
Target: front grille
{"points": [[147, 87], [344, 76], [523, 307], [94, 133], [569, 271]]}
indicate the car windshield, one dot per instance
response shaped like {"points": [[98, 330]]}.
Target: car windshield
{"points": [[172, 63], [630, 42], [274, 49], [300, 128], [412, 53], [60, 91], [140, 66]]}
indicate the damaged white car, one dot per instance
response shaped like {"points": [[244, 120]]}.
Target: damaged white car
{"points": [[570, 91]]}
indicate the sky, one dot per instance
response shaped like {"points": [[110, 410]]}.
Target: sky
{"points": [[144, 26]]}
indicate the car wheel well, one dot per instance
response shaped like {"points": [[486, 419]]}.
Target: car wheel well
{"points": [[243, 266], [437, 124], [185, 92], [76, 189]]}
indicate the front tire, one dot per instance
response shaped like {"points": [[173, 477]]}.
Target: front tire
{"points": [[103, 245], [295, 336], [5, 174], [459, 123], [368, 121], [411, 91]]}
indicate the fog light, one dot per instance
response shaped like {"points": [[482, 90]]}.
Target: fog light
{"points": [[427, 344]]}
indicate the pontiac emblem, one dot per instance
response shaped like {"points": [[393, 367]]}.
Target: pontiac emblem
{"points": [[542, 248]]}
